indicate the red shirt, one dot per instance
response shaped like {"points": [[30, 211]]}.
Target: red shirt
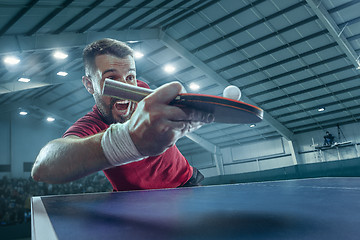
{"points": [[168, 170]]}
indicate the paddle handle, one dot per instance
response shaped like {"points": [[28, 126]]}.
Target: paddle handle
{"points": [[125, 91]]}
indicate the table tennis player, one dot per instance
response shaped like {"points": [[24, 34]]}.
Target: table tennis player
{"points": [[134, 144]]}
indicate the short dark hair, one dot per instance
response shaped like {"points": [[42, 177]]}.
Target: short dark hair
{"points": [[104, 46]]}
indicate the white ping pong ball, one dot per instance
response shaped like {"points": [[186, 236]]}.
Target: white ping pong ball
{"points": [[232, 92]]}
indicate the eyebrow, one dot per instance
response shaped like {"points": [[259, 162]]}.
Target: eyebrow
{"points": [[114, 70]]}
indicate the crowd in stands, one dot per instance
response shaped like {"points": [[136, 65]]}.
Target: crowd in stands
{"points": [[16, 193]]}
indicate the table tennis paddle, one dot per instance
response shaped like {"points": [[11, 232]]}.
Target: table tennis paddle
{"points": [[225, 110]]}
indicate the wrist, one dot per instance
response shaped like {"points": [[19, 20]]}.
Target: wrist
{"points": [[118, 146]]}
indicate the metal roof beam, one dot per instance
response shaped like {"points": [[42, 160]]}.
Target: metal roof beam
{"points": [[212, 148], [131, 11], [334, 30], [163, 14], [185, 13], [344, 100], [85, 11], [16, 44], [68, 119], [257, 23], [19, 15], [329, 122], [40, 81], [9, 107], [144, 15], [308, 79], [103, 16], [221, 20], [288, 73], [55, 12], [29, 104], [218, 79]]}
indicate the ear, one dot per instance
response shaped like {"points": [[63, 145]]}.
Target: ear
{"points": [[88, 84]]}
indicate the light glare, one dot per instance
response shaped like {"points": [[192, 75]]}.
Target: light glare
{"points": [[23, 113], [50, 119], [60, 55], [11, 60], [194, 86], [25, 80], [169, 68], [138, 55], [63, 74]]}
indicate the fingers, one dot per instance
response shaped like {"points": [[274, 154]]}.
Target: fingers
{"points": [[197, 116], [165, 94], [183, 90], [188, 115], [156, 125]]}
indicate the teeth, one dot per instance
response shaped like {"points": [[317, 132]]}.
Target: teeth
{"points": [[123, 102]]}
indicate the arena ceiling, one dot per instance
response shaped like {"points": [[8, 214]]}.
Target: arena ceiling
{"points": [[290, 58]]}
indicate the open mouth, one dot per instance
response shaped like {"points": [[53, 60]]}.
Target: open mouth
{"points": [[121, 105]]}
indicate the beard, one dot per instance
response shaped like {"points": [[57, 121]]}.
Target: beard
{"points": [[108, 110]]}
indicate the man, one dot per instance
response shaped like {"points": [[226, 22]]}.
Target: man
{"points": [[133, 144], [328, 139]]}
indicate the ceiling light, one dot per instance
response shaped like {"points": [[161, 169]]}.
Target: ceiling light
{"points": [[23, 113], [321, 109], [253, 125], [138, 55], [11, 60], [132, 42], [63, 74], [169, 68], [194, 86], [50, 119], [60, 55], [24, 79]]}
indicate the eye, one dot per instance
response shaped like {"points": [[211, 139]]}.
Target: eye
{"points": [[130, 78], [115, 77]]}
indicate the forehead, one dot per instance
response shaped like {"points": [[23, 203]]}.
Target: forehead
{"points": [[106, 62]]}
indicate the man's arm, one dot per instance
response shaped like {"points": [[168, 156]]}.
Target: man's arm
{"points": [[154, 127], [67, 159]]}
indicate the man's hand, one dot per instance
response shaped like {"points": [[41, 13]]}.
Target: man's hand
{"points": [[155, 125]]}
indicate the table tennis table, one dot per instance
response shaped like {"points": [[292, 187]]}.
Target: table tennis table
{"points": [[318, 208]]}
